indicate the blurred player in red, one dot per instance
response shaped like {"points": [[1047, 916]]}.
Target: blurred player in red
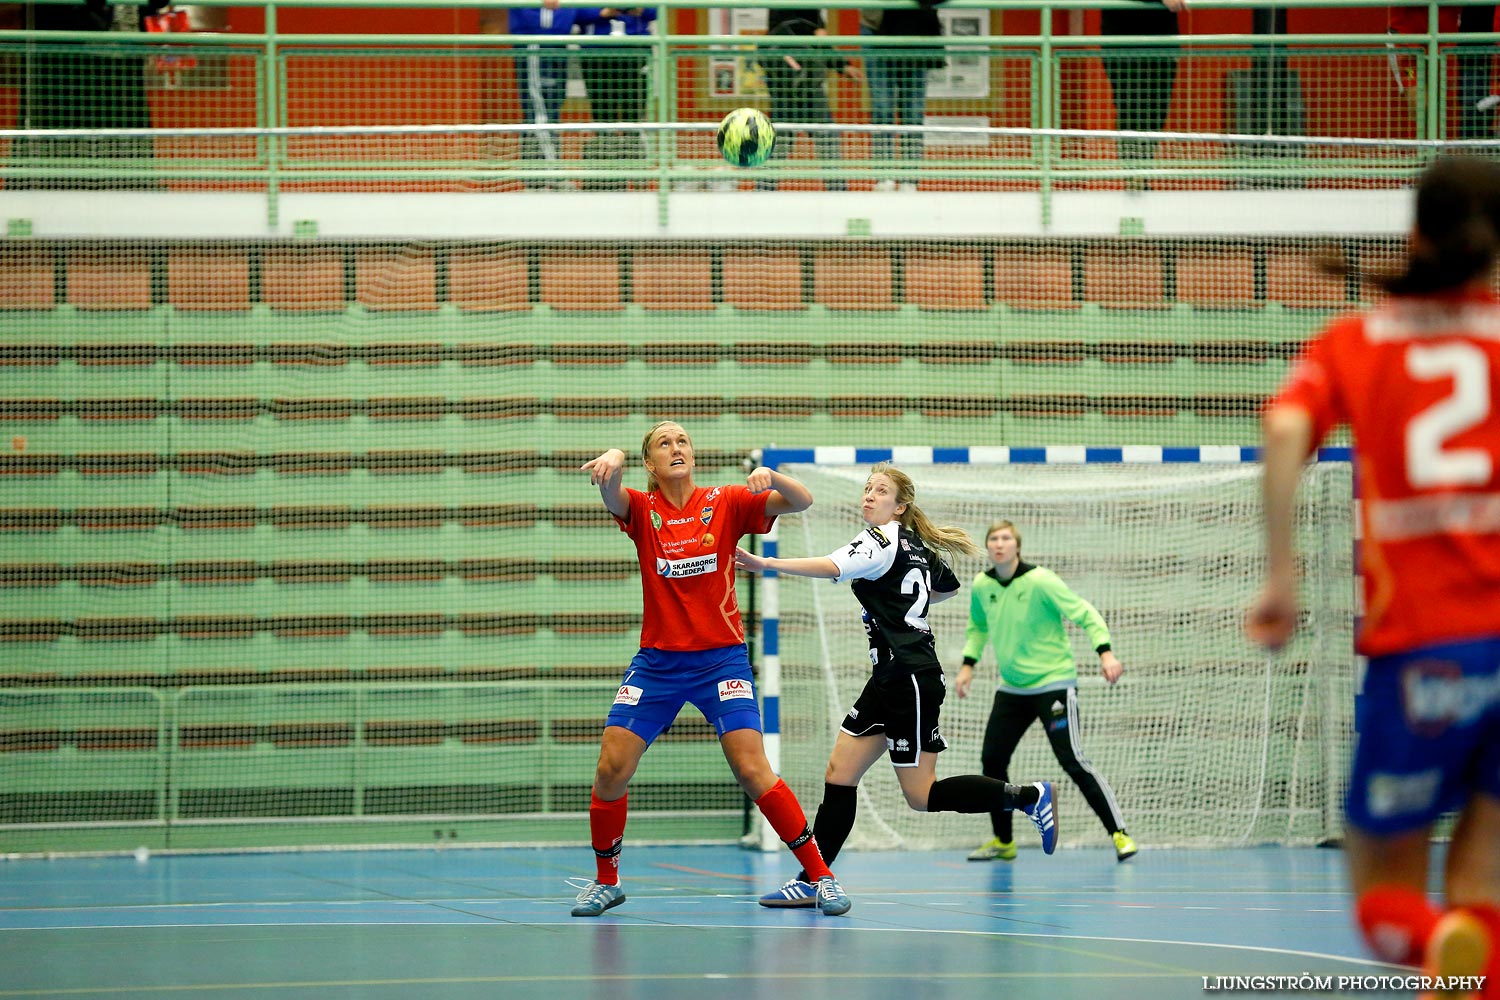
{"points": [[1418, 381], [692, 646]]}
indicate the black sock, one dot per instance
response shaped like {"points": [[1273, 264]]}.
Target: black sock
{"points": [[834, 821], [973, 793]]}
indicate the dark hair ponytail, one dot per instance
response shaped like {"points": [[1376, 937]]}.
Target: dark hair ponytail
{"points": [[1458, 226], [1457, 231]]}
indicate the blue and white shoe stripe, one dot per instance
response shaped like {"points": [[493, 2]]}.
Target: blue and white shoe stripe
{"points": [[794, 893], [1044, 816]]}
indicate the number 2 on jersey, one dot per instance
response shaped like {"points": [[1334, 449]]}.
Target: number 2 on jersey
{"points": [[1429, 463], [917, 581]]}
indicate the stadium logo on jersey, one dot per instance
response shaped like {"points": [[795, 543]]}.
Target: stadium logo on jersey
{"points": [[691, 566], [879, 537], [679, 520], [656, 520], [706, 514], [628, 695], [735, 688]]}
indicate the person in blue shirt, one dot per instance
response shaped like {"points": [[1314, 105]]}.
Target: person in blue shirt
{"points": [[542, 74], [617, 80]]}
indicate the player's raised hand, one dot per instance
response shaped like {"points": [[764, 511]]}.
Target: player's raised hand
{"points": [[606, 467], [759, 480]]}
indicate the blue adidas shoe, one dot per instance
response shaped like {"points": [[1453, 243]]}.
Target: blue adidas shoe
{"points": [[832, 899], [1044, 815], [794, 893], [596, 897]]}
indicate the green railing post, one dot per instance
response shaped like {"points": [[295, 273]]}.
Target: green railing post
{"points": [[1049, 99], [272, 118], [666, 106]]}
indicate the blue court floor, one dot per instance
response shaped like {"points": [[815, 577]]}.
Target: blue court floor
{"points": [[494, 924]]}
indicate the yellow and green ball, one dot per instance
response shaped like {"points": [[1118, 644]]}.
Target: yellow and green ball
{"points": [[746, 137]]}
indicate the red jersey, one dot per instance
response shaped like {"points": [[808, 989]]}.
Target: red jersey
{"points": [[1418, 382], [687, 564]]}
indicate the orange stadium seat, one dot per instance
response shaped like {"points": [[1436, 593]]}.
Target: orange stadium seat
{"points": [[403, 280], [117, 279], [945, 278], [27, 278], [1216, 277], [303, 279], [1292, 280], [209, 280], [1124, 275], [1032, 278], [673, 279], [581, 280], [492, 281], [763, 278], [856, 278]]}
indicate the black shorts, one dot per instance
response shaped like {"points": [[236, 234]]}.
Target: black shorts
{"points": [[906, 708]]}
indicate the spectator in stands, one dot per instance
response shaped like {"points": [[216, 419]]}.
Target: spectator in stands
{"points": [[898, 79], [692, 646], [1018, 608], [797, 85], [75, 87], [1414, 379], [1475, 98], [618, 81], [542, 75], [896, 570], [1141, 79]]}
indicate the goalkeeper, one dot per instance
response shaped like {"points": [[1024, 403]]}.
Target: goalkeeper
{"points": [[896, 573], [1019, 608]]}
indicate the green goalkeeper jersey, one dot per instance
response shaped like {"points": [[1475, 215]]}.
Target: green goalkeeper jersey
{"points": [[1022, 619]]}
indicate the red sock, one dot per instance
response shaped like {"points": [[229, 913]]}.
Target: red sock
{"points": [[607, 833], [1396, 922], [782, 810]]}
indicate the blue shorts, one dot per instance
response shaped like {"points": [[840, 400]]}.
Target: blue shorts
{"points": [[1429, 735], [659, 682]]}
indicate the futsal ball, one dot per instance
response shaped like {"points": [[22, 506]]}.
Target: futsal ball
{"points": [[746, 137]]}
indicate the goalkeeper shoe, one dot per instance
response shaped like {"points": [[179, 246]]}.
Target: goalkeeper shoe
{"points": [[795, 893], [1044, 816], [596, 897], [994, 848], [1124, 846], [832, 899]]}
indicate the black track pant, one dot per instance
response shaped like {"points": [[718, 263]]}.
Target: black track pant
{"points": [[1011, 716]]}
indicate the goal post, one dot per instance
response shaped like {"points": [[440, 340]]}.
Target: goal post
{"points": [[1206, 740]]}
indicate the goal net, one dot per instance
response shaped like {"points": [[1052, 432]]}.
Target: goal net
{"points": [[1205, 740]]}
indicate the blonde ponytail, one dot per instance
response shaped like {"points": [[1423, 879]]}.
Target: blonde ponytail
{"points": [[952, 540]]}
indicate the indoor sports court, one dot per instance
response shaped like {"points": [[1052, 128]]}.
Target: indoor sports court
{"points": [[309, 618]]}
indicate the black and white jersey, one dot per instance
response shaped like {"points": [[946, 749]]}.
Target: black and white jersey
{"points": [[894, 577]]}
